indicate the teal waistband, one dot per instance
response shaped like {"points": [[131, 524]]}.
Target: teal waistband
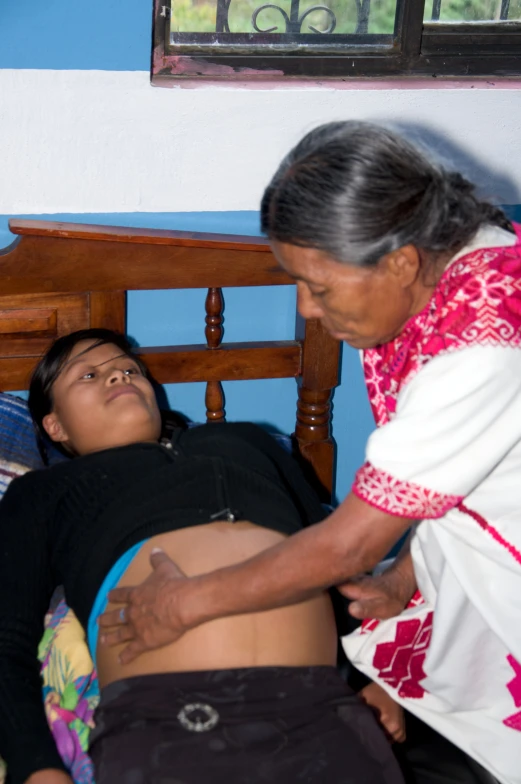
{"points": [[100, 602]]}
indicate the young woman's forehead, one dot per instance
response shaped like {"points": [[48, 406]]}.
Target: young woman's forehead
{"points": [[92, 350]]}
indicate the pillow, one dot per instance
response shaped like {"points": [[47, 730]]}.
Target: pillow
{"points": [[17, 439]]}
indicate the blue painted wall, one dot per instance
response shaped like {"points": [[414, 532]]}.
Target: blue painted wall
{"points": [[111, 35]]}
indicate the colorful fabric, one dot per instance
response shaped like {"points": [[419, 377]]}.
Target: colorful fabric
{"points": [[70, 690], [447, 398]]}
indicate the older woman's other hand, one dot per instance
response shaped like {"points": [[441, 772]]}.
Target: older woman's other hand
{"points": [[146, 621], [384, 595], [388, 712]]}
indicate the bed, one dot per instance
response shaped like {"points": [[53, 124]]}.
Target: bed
{"points": [[59, 277]]}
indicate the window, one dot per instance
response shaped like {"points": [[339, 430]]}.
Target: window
{"points": [[251, 39]]}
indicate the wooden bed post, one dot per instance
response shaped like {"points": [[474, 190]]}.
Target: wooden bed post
{"points": [[214, 397], [108, 310], [320, 375]]}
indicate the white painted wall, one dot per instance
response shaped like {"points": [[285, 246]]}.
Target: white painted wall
{"points": [[106, 141]]}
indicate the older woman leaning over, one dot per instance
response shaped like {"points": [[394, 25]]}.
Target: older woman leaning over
{"points": [[397, 257]]}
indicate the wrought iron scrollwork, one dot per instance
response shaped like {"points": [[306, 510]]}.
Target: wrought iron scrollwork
{"points": [[221, 20], [295, 20]]}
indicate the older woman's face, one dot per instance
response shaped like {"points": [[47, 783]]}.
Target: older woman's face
{"points": [[364, 306]]}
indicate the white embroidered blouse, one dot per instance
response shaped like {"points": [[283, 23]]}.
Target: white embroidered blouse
{"points": [[447, 452]]}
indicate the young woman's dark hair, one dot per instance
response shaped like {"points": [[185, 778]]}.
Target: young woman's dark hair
{"points": [[49, 368], [358, 191]]}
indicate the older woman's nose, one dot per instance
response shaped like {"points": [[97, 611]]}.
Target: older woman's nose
{"points": [[306, 304]]}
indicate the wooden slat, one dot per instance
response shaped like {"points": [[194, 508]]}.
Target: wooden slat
{"points": [[180, 364], [230, 362], [45, 264]]}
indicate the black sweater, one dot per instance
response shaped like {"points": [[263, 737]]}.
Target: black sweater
{"points": [[67, 525]]}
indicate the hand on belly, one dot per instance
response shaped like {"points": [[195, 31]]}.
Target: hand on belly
{"points": [[300, 635]]}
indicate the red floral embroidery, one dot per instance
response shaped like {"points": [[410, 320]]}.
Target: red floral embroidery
{"points": [[400, 662], [400, 498], [514, 687], [476, 302]]}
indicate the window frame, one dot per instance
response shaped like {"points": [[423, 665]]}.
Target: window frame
{"points": [[417, 49]]}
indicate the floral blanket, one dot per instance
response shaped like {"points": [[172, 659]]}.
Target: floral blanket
{"points": [[70, 690]]}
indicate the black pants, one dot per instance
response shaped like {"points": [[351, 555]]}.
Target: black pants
{"points": [[426, 757], [272, 725]]}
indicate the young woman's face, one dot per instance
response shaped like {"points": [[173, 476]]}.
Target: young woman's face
{"points": [[101, 400]]}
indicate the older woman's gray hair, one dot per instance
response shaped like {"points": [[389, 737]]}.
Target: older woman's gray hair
{"points": [[358, 191]]}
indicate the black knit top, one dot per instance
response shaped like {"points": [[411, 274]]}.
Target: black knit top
{"points": [[67, 525]]}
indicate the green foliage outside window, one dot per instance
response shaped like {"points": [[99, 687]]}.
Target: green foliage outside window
{"points": [[196, 16]]}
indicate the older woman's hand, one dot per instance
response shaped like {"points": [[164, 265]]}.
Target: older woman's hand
{"points": [[384, 595], [145, 620]]}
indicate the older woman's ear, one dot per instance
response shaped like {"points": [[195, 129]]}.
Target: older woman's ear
{"points": [[404, 263]]}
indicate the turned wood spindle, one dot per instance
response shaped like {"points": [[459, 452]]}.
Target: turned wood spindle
{"points": [[214, 331], [319, 377], [313, 414]]}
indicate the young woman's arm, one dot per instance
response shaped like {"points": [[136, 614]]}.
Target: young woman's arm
{"points": [[26, 587]]}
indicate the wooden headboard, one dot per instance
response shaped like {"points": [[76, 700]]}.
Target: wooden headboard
{"points": [[58, 277]]}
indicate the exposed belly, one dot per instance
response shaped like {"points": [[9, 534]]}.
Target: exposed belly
{"points": [[296, 636]]}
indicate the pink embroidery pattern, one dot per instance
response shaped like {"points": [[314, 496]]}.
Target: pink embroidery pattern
{"points": [[476, 302], [416, 600], [400, 498], [369, 625], [512, 549], [514, 687], [400, 662]]}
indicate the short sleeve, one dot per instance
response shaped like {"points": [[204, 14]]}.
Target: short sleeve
{"points": [[455, 422]]}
